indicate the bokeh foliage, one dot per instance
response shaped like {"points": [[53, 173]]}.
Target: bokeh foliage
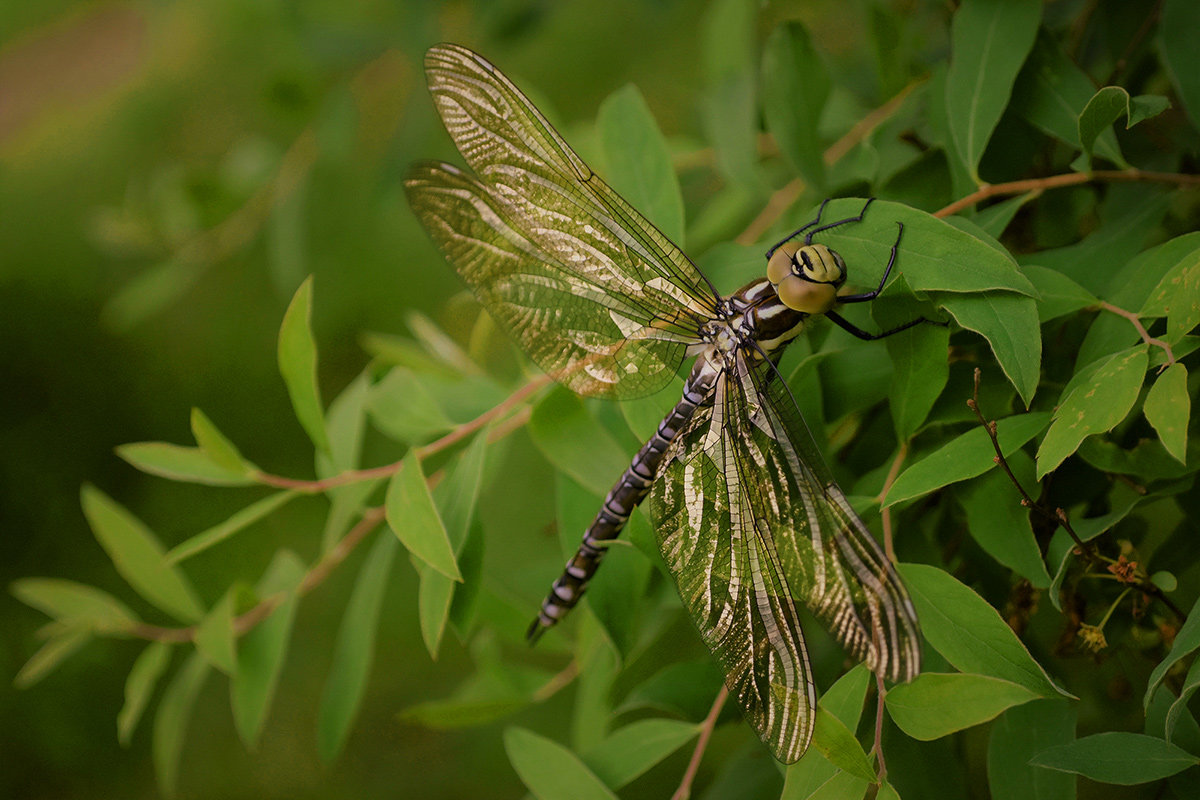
{"points": [[173, 173]]}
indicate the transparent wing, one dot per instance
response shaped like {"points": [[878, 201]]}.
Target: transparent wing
{"points": [[746, 526], [581, 280], [716, 517], [832, 562]]}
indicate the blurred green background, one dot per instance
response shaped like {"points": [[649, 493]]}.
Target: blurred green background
{"points": [[169, 173]]}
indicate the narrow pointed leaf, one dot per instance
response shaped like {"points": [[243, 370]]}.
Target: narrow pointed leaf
{"points": [[179, 463], [628, 752], [936, 705], [1125, 759], [216, 445], [966, 456], [214, 635], [143, 677], [551, 771], [969, 633], [1177, 297], [354, 650], [224, 530], [1094, 407], [414, 519], [1168, 408], [1180, 20], [171, 720], [795, 86], [1110, 104], [138, 556], [836, 742], [989, 40], [298, 365], [56, 650], [261, 651], [76, 604], [1009, 323], [575, 443], [1187, 641]]}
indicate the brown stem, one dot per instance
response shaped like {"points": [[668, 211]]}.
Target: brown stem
{"points": [[886, 513], [706, 728], [1067, 179], [1141, 329]]}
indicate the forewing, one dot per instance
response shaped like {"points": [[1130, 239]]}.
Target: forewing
{"points": [[714, 509], [832, 562], [546, 206], [595, 339]]}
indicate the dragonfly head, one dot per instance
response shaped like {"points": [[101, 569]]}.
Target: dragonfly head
{"points": [[806, 276]]}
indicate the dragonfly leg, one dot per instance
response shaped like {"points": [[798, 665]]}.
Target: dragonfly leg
{"points": [[859, 333], [798, 231], [827, 226], [871, 295]]}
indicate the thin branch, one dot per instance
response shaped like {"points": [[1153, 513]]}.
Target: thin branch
{"points": [[988, 190], [877, 749], [1085, 549], [706, 728], [557, 683], [1141, 329], [885, 514], [316, 575]]}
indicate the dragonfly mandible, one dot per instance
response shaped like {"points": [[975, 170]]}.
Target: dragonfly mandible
{"points": [[749, 519]]}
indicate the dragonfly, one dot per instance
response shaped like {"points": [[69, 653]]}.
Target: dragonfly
{"points": [[748, 517]]}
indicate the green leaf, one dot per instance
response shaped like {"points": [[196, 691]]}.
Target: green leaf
{"points": [[638, 161], [994, 219], [836, 742], [685, 688], [551, 771], [1187, 640], [1125, 759], [795, 85], [56, 650], [262, 650], [455, 499], [846, 697], [575, 443], [403, 405], [628, 752], [842, 786], [178, 463], [1094, 406], [143, 677], [222, 531], [1177, 297], [1110, 104], [965, 456], [1018, 735], [150, 292], [1059, 294], [934, 255], [1052, 91], [298, 365], [1168, 407], [969, 633], [354, 650], [989, 40], [216, 446], [214, 635], [139, 557], [920, 366], [78, 605], [1176, 30], [936, 705], [414, 519], [493, 692], [1000, 524], [1179, 706], [171, 719], [1009, 322]]}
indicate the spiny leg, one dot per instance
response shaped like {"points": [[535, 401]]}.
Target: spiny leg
{"points": [[798, 231], [865, 296], [809, 236]]}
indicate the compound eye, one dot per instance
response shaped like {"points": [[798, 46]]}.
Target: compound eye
{"points": [[799, 294], [821, 264], [779, 266]]}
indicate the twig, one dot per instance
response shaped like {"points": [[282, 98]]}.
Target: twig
{"points": [[885, 514], [1141, 329], [387, 470], [877, 749], [558, 682], [706, 728], [1067, 179], [244, 623], [1085, 549]]}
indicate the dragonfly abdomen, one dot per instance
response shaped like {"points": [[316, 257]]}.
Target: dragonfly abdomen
{"points": [[622, 499]]}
